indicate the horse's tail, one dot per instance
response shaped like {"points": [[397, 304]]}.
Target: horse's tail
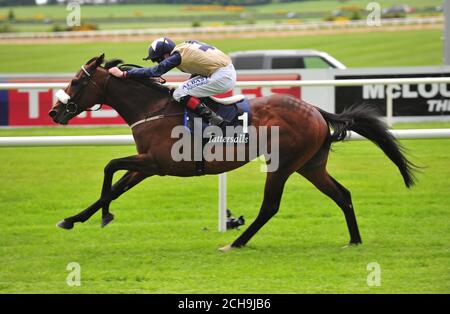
{"points": [[365, 121]]}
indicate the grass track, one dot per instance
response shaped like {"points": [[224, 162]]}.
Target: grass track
{"points": [[158, 243], [376, 49], [118, 11]]}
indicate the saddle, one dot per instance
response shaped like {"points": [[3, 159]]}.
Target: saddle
{"points": [[231, 109]]}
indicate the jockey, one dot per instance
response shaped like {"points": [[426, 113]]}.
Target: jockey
{"points": [[211, 72]]}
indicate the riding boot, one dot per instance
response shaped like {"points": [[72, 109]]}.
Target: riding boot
{"points": [[213, 118]]}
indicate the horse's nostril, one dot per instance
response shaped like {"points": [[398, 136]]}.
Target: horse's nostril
{"points": [[52, 113]]}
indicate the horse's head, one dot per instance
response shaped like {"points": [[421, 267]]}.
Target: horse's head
{"points": [[84, 91]]}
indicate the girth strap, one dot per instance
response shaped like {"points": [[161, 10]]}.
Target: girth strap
{"points": [[147, 120]]}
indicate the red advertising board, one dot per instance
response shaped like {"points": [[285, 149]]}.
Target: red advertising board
{"points": [[29, 107]]}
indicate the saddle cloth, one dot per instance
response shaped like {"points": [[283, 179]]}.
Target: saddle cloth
{"points": [[229, 112]]}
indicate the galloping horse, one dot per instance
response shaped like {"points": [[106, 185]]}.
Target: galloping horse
{"points": [[304, 142]]}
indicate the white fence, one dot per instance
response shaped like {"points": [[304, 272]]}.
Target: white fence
{"points": [[122, 140], [242, 29]]}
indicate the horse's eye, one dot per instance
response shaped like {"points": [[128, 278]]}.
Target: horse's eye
{"points": [[75, 82]]}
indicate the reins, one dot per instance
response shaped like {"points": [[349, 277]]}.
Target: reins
{"points": [[104, 93], [156, 117], [102, 90], [159, 87]]}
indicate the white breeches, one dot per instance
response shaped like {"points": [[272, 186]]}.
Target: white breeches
{"points": [[221, 81]]}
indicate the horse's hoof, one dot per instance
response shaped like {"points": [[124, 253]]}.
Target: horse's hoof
{"points": [[225, 248], [64, 224], [106, 219], [352, 244]]}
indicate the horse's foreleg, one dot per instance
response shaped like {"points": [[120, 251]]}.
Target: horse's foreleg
{"points": [[125, 183], [68, 222], [140, 167], [139, 163], [129, 180], [272, 196], [117, 189]]}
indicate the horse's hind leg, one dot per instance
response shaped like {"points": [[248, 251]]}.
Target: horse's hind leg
{"points": [[329, 186], [272, 196]]}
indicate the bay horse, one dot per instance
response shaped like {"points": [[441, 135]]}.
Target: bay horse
{"points": [[304, 142]]}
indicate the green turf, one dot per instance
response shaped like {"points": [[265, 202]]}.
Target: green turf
{"points": [[423, 125], [403, 48], [32, 27], [104, 11], [118, 11], [164, 238], [330, 5], [43, 18], [64, 130]]}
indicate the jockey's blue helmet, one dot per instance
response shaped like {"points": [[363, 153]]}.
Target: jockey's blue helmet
{"points": [[158, 48]]}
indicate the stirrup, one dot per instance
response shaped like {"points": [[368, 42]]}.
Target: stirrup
{"points": [[206, 112], [216, 120]]}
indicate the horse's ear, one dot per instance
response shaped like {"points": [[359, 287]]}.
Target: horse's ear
{"points": [[100, 60]]}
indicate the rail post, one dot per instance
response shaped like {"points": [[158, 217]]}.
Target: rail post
{"points": [[223, 202], [389, 106]]}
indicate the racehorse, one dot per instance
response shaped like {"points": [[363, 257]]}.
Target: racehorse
{"points": [[304, 142]]}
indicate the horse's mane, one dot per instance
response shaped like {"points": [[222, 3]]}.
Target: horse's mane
{"points": [[112, 63], [152, 83]]}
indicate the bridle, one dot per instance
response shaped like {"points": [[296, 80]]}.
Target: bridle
{"points": [[71, 106]]}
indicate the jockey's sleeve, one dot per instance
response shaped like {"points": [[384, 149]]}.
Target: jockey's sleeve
{"points": [[157, 70]]}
